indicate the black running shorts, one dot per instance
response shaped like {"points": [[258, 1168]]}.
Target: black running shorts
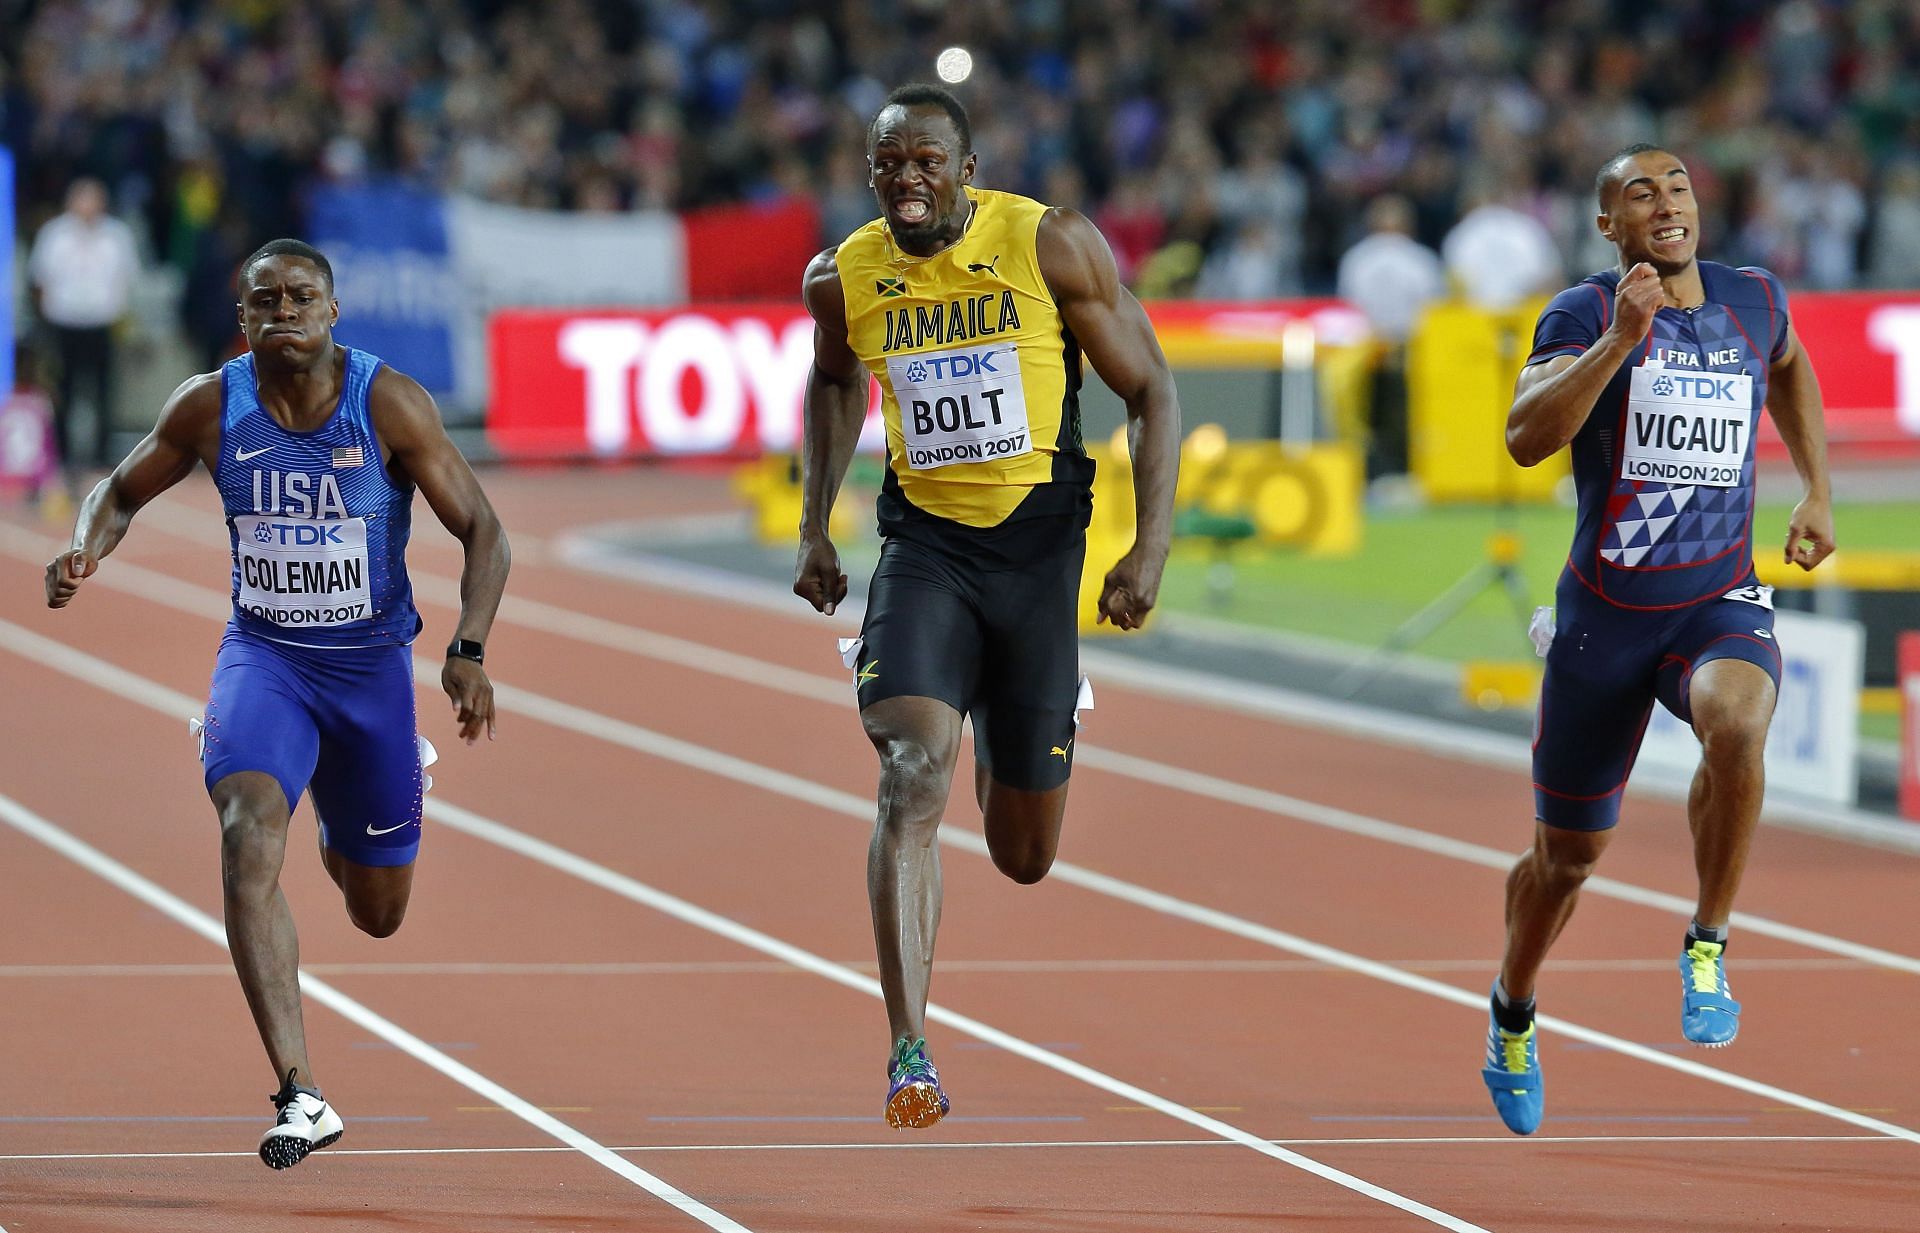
{"points": [[998, 643]]}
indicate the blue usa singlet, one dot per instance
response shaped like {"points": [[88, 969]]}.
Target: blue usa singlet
{"points": [[319, 529]]}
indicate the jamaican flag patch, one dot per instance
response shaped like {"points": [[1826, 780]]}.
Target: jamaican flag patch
{"points": [[890, 288]]}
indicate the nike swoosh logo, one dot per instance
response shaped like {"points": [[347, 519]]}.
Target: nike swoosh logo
{"points": [[240, 455], [387, 831]]}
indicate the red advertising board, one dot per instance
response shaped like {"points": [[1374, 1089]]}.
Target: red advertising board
{"points": [[621, 384], [728, 380], [1866, 348], [1908, 661]]}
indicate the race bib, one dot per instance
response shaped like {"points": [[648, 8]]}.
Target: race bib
{"points": [[302, 572], [962, 405], [1686, 427], [1758, 594]]}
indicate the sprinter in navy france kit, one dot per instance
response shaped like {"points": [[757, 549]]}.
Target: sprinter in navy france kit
{"points": [[1655, 374], [316, 450]]}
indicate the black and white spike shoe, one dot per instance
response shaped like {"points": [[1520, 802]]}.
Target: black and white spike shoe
{"points": [[306, 1124]]}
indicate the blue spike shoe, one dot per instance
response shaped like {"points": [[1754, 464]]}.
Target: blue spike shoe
{"points": [[914, 1098], [1512, 1075], [1708, 1014]]}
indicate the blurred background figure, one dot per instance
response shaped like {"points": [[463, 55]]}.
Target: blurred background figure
{"points": [[1896, 231], [1391, 278], [82, 272], [1500, 257], [27, 459]]}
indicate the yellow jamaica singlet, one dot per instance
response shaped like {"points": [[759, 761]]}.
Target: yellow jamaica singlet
{"points": [[979, 375]]}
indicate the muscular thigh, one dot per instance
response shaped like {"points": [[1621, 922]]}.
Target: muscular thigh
{"points": [[922, 637], [1023, 720], [1594, 704], [1739, 626], [259, 717], [368, 781]]}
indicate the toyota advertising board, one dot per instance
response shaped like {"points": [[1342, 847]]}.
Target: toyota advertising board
{"points": [[728, 380], [629, 384]]}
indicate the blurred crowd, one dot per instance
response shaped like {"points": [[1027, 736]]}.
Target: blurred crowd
{"points": [[1227, 148]]}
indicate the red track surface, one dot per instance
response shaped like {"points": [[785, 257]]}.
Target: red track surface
{"points": [[131, 1082]]}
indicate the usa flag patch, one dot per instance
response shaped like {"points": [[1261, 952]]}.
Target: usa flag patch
{"points": [[349, 456]]}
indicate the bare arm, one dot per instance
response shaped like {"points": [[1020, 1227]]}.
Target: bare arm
{"points": [[835, 408], [1793, 399], [409, 428], [1551, 400], [186, 432], [1118, 339]]}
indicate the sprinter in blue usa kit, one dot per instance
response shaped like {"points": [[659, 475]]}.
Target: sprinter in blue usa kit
{"points": [[1655, 374], [316, 449]]}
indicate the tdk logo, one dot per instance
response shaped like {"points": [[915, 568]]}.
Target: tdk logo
{"points": [[1704, 389], [916, 372], [297, 534], [1663, 386], [953, 367]]}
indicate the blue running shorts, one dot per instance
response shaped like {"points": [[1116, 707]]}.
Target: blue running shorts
{"points": [[338, 722], [1605, 668]]}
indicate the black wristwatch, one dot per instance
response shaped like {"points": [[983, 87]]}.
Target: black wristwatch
{"points": [[466, 648]]}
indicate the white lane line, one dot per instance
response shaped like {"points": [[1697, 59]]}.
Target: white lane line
{"points": [[1504, 1142], [547, 618], [112, 678], [1009, 967], [555, 857], [180, 911], [115, 679]]}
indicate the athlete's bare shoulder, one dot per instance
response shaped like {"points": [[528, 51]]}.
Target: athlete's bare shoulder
{"points": [[1073, 255], [820, 289], [393, 389], [192, 411]]}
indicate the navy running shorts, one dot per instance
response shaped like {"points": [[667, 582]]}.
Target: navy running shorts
{"points": [[338, 722], [1606, 667]]}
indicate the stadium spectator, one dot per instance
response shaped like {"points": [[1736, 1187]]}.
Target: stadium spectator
{"points": [[1391, 278], [82, 269], [1499, 256]]}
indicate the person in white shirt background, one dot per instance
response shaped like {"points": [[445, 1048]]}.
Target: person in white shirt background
{"points": [[1391, 278], [82, 269], [1499, 256]]}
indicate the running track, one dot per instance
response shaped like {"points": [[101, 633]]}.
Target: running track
{"points": [[635, 990]]}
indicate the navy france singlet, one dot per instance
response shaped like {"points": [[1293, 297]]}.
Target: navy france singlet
{"points": [[1663, 466], [319, 529]]}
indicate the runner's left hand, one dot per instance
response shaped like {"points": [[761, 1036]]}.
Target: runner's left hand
{"points": [[472, 693], [1131, 587], [1810, 533]]}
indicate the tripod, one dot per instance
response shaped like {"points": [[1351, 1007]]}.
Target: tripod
{"points": [[1499, 564]]}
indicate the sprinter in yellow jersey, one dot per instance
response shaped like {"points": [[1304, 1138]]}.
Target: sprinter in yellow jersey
{"points": [[972, 308]]}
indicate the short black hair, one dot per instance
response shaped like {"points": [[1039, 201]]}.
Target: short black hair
{"points": [[285, 248], [1610, 170], [926, 94]]}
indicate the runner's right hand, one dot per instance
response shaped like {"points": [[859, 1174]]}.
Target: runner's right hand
{"points": [[1639, 297], [816, 575], [65, 573]]}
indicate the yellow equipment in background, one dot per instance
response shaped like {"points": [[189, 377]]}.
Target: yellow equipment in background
{"points": [[771, 488], [1230, 493], [1461, 365]]}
